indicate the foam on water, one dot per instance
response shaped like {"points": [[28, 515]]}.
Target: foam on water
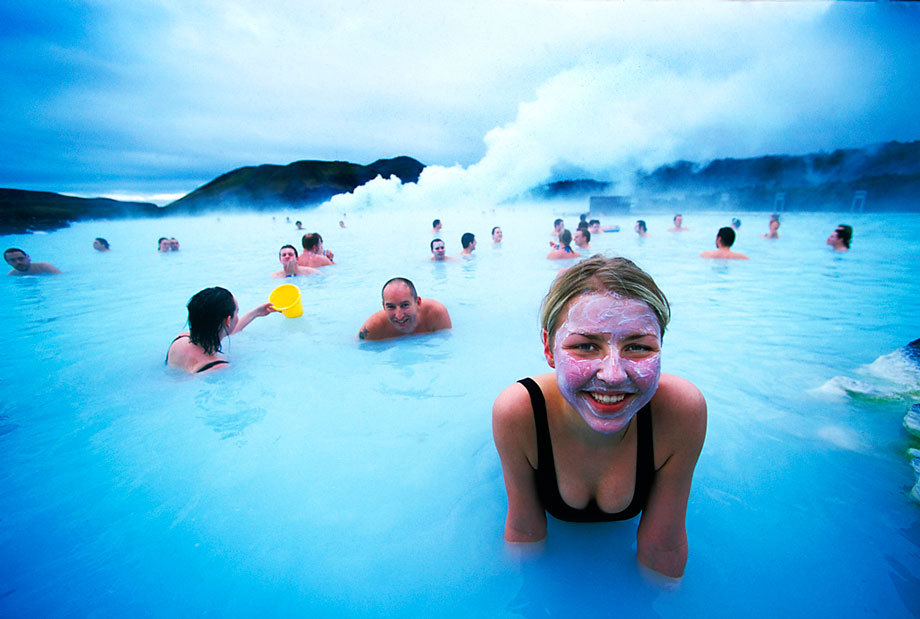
{"points": [[323, 475]]}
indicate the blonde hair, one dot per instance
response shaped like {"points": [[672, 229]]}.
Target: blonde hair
{"points": [[601, 274]]}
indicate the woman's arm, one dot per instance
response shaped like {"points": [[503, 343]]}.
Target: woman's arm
{"points": [[260, 310], [680, 428], [512, 427]]}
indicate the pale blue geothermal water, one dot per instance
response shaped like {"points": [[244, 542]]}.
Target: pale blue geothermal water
{"points": [[322, 476]]}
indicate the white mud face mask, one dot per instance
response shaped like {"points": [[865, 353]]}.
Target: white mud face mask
{"points": [[607, 355]]}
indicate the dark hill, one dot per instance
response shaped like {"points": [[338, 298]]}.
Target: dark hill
{"points": [[296, 184], [889, 173], [22, 210]]}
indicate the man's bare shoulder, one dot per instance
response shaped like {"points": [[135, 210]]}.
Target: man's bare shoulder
{"points": [[434, 315]]}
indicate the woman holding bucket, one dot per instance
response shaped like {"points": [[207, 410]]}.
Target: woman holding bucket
{"points": [[213, 314]]}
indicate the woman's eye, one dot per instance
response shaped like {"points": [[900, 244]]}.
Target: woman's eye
{"points": [[639, 348]]}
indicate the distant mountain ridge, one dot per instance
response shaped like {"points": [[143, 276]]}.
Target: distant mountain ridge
{"points": [[889, 173], [22, 210], [297, 184]]}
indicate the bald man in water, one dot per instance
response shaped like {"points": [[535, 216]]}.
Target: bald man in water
{"points": [[22, 264], [404, 313]]}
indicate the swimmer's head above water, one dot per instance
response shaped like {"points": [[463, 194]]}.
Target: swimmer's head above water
{"points": [[212, 314], [841, 237]]}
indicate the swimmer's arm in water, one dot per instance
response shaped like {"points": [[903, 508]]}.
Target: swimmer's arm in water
{"points": [[513, 430], [260, 310], [680, 428], [374, 328]]}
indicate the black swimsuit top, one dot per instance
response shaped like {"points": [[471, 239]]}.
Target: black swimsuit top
{"points": [[204, 368], [548, 484]]}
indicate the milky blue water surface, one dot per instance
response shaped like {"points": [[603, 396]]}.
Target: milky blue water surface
{"points": [[323, 476]]}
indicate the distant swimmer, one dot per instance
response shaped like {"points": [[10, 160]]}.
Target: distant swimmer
{"points": [[496, 236], [163, 245], [313, 253], [595, 227], [100, 244], [582, 239], [213, 314], [468, 242], [436, 226], [341, 223], [725, 238], [840, 238], [563, 250], [438, 250], [22, 264], [558, 227], [640, 227], [288, 258], [298, 223], [173, 244], [678, 224], [404, 313], [773, 232], [736, 224]]}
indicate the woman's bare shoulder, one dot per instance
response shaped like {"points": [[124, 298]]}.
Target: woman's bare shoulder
{"points": [[679, 410], [513, 411]]}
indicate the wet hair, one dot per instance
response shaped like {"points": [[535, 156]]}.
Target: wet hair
{"points": [[292, 247], [496, 228], [311, 240], [676, 216], [586, 233], [774, 217], [13, 249], [207, 311], [435, 223], [845, 233], [433, 241], [403, 280], [582, 225], [727, 236], [601, 274], [557, 222], [594, 221], [467, 239], [642, 225], [102, 242], [565, 238]]}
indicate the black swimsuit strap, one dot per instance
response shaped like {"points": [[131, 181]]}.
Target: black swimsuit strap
{"points": [[166, 361], [208, 366], [548, 483]]}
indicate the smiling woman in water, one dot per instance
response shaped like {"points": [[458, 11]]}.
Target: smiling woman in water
{"points": [[577, 442]]}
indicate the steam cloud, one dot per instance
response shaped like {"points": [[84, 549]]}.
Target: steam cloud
{"points": [[816, 87]]}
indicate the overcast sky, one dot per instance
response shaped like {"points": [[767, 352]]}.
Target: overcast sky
{"points": [[154, 98]]}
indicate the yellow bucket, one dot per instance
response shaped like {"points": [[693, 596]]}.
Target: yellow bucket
{"points": [[286, 299]]}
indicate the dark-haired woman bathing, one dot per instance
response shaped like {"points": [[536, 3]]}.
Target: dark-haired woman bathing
{"points": [[213, 314]]}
